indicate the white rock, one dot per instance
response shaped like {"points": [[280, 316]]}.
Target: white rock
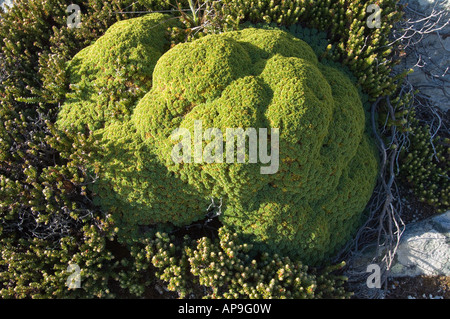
{"points": [[424, 248]]}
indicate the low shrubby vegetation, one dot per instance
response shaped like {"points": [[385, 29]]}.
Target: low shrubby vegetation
{"points": [[76, 182]]}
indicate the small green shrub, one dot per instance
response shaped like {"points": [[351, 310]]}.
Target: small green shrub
{"points": [[224, 268], [425, 170]]}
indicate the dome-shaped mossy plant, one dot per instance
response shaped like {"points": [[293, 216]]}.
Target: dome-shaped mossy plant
{"points": [[248, 79]]}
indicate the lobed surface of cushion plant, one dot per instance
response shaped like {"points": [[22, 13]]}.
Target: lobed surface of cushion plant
{"points": [[252, 78]]}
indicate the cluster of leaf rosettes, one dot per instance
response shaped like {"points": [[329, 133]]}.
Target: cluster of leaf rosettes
{"points": [[224, 267], [424, 166]]}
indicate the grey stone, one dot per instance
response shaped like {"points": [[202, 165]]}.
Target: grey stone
{"points": [[424, 248]]}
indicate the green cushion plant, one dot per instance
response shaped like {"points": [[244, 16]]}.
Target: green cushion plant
{"points": [[252, 78]]}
